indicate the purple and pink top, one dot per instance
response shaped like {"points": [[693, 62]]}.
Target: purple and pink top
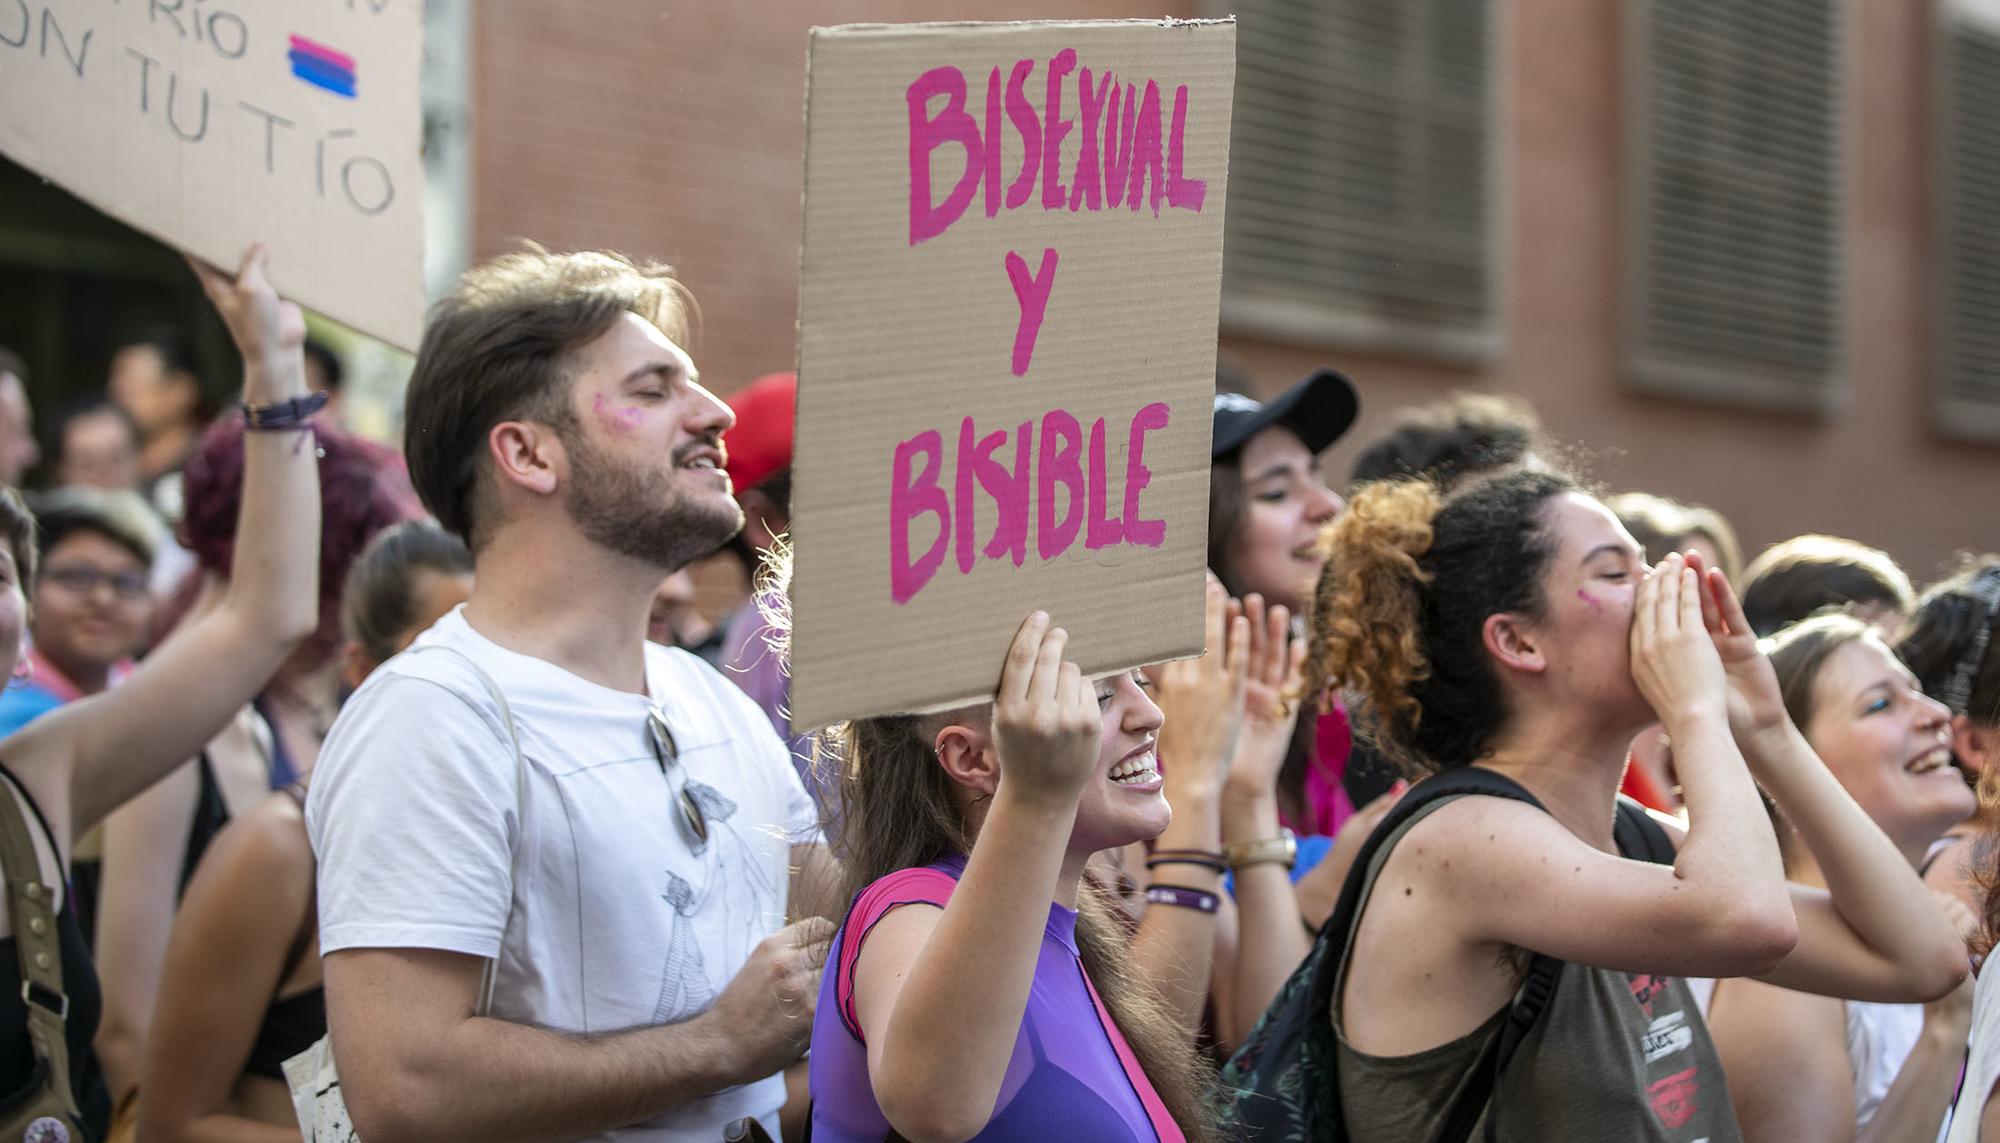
{"points": [[1072, 1075]]}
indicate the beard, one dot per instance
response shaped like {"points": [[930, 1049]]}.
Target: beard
{"points": [[644, 514]]}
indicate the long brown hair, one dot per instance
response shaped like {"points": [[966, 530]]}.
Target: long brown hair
{"points": [[1228, 514], [888, 805], [895, 810]]}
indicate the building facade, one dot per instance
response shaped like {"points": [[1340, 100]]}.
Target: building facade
{"points": [[1732, 253]]}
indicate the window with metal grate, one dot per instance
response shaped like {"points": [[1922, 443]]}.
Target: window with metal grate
{"points": [[1360, 204], [1734, 226], [1967, 158]]}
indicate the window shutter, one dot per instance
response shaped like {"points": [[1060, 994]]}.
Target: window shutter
{"points": [[1359, 185], [1967, 171], [1735, 252]]}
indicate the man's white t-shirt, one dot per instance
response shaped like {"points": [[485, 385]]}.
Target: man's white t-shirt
{"points": [[611, 917]]}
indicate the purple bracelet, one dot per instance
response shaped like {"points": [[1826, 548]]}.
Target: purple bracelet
{"points": [[1183, 897]]}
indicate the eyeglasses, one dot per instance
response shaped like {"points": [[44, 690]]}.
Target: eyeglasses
{"points": [[668, 754], [84, 580]]}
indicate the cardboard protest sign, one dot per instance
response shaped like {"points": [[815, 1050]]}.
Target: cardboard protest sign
{"points": [[1007, 316], [209, 123]]}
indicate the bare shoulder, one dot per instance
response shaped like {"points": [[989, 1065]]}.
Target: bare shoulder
{"points": [[1478, 827], [269, 840]]}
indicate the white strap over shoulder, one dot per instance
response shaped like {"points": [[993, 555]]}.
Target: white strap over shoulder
{"points": [[492, 971]]}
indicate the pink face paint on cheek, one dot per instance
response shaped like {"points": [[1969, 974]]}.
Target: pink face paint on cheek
{"points": [[624, 418], [1595, 603]]}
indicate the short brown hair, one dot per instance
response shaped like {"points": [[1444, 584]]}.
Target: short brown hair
{"points": [[496, 348], [1662, 525], [379, 601], [1808, 574]]}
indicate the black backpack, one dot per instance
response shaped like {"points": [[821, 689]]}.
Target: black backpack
{"points": [[1280, 1086]]}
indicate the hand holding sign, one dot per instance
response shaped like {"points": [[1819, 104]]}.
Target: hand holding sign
{"points": [[1046, 725], [208, 124], [269, 332]]}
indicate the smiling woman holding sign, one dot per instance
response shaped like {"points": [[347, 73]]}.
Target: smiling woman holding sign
{"points": [[977, 989]]}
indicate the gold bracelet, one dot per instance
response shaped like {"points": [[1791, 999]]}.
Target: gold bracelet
{"points": [[1281, 850]]}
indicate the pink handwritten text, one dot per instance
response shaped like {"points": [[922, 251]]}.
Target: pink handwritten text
{"points": [[1119, 150], [1069, 489]]}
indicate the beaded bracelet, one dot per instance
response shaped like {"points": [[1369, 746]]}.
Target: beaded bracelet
{"points": [[1182, 897]]}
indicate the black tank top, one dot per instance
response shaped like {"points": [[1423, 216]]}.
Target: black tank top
{"points": [[211, 813], [293, 1024], [19, 1075]]}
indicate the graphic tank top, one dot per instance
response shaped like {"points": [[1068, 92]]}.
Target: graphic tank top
{"points": [[1614, 1056]]}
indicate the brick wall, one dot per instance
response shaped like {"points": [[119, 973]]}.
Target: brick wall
{"points": [[674, 130]]}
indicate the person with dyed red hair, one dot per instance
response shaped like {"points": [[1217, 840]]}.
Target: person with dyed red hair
{"points": [[152, 845]]}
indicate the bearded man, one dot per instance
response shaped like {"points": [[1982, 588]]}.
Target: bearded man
{"points": [[609, 823]]}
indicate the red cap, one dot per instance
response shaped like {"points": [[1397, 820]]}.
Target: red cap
{"points": [[760, 444]]}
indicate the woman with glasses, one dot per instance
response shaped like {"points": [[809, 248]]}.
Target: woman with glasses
{"points": [[240, 991], [71, 767], [979, 988], [92, 601]]}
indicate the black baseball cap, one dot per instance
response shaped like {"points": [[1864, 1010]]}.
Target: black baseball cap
{"points": [[1318, 409]]}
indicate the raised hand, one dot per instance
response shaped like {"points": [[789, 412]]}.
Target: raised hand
{"points": [[268, 331], [1269, 714], [1202, 700], [1674, 657], [1755, 703], [1046, 725]]}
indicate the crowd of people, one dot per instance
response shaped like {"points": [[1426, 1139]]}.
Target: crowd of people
{"points": [[414, 797]]}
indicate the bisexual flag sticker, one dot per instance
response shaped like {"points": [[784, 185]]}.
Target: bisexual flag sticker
{"points": [[322, 66]]}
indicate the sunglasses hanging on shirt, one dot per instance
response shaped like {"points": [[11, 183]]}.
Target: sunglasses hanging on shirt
{"points": [[668, 755]]}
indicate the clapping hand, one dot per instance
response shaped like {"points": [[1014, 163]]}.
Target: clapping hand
{"points": [[1202, 700], [1269, 714]]}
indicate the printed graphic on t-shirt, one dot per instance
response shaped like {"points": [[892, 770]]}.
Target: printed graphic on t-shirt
{"points": [[747, 896], [1669, 1034], [1645, 986], [1673, 1098], [684, 985], [1676, 1097]]}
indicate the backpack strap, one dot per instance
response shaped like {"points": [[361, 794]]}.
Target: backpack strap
{"points": [[38, 947], [1639, 837], [1340, 928]]}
